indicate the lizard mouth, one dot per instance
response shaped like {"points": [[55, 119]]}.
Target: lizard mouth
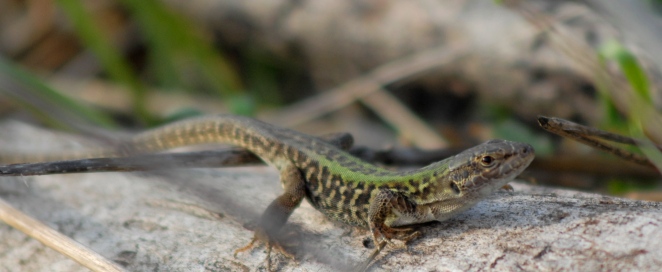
{"points": [[520, 162]]}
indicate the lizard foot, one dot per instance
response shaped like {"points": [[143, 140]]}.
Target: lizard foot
{"points": [[270, 244], [388, 234], [405, 234]]}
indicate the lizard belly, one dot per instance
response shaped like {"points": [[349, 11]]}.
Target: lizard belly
{"points": [[423, 214], [438, 211]]}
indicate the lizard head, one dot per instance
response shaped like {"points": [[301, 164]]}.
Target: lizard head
{"points": [[459, 182], [482, 169]]}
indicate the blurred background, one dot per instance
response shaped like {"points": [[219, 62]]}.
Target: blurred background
{"points": [[423, 74]]}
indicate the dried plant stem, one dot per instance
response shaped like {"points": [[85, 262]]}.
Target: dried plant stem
{"points": [[594, 137], [371, 84], [55, 240]]}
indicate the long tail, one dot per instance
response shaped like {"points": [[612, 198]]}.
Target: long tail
{"points": [[214, 129]]}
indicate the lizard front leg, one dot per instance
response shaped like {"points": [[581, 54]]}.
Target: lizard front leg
{"points": [[383, 210], [276, 215]]}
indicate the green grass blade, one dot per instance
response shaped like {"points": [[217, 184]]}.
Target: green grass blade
{"points": [[635, 75], [109, 56], [29, 88], [642, 105], [177, 48]]}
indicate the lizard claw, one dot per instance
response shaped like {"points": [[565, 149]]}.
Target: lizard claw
{"points": [[403, 234], [270, 244], [387, 234], [507, 187]]}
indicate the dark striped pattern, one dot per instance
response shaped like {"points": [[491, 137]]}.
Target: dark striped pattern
{"points": [[337, 184]]}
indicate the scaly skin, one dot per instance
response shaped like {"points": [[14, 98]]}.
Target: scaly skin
{"points": [[339, 185]]}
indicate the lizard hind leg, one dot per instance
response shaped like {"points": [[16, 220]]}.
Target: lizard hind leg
{"points": [[268, 230]]}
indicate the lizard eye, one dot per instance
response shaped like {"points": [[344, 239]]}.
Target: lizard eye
{"points": [[487, 160], [455, 188]]}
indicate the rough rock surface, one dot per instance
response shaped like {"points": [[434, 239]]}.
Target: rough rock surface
{"points": [[193, 220]]}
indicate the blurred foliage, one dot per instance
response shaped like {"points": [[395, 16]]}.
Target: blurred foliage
{"points": [[642, 103], [27, 88], [632, 122], [110, 57], [178, 57], [636, 76], [519, 132], [262, 73], [505, 127], [181, 114], [622, 186]]}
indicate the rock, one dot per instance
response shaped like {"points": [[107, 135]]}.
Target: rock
{"points": [[194, 219]]}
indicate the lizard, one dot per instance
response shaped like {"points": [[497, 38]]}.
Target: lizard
{"points": [[339, 185]]}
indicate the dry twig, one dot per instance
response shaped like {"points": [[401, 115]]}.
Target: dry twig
{"points": [[55, 240], [594, 137], [369, 89]]}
